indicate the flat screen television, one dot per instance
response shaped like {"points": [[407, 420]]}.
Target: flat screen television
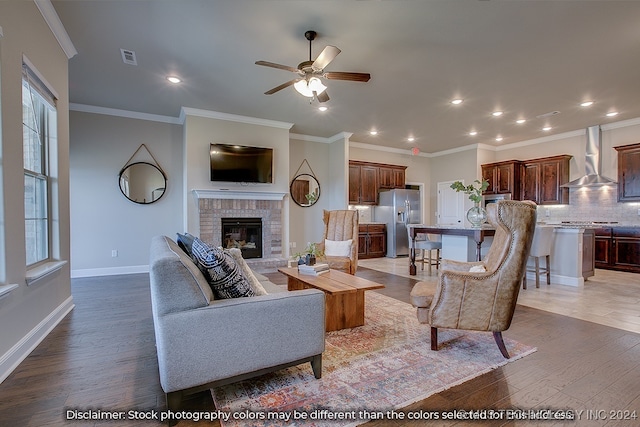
{"points": [[237, 163]]}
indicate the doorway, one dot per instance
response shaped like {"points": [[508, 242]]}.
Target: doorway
{"points": [[450, 209]]}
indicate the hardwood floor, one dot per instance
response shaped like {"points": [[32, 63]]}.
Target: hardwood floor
{"points": [[102, 356]]}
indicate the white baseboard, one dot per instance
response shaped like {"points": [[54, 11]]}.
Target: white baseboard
{"points": [[12, 358], [110, 271]]}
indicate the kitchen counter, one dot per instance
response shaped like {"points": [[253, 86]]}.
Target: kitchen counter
{"points": [[572, 250], [592, 224]]}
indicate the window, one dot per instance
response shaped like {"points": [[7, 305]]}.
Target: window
{"points": [[39, 128]]}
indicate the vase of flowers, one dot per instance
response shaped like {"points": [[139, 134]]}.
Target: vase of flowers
{"points": [[477, 215]]}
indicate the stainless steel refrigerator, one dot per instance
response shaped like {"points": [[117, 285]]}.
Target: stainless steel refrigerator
{"points": [[397, 209]]}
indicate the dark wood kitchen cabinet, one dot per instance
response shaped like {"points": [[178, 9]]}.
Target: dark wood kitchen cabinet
{"points": [[603, 247], [503, 178], [363, 184], [541, 180], [628, 173], [390, 177], [618, 248], [367, 179], [372, 240]]}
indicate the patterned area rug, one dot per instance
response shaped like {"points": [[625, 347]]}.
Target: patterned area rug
{"points": [[384, 365]]}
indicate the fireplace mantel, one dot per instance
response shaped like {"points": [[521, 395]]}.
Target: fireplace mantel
{"points": [[238, 195]]}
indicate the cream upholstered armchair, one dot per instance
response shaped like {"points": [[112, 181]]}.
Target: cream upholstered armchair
{"points": [[340, 226], [481, 300]]}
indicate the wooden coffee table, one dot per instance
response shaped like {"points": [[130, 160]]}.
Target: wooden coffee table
{"points": [[344, 295]]}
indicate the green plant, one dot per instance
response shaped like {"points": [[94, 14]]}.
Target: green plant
{"points": [[313, 249], [474, 192]]}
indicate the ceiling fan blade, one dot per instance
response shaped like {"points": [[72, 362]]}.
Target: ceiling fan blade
{"points": [[326, 56], [278, 66], [322, 97], [353, 77], [282, 86]]}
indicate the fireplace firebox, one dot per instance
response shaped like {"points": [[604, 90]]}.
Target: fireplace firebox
{"points": [[244, 234]]}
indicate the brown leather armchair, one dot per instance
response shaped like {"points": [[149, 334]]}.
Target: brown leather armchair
{"points": [[341, 225], [481, 301]]}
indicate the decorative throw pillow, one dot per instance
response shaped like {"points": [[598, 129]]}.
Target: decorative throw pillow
{"points": [[257, 287], [337, 247], [185, 241], [222, 271]]}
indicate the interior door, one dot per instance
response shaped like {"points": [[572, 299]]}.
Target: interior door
{"points": [[450, 208]]}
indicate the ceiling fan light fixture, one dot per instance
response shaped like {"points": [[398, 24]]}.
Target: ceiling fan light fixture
{"points": [[307, 88]]}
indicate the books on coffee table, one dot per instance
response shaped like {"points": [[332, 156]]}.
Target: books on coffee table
{"points": [[313, 270]]}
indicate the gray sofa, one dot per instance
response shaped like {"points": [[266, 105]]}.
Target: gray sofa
{"points": [[203, 342]]}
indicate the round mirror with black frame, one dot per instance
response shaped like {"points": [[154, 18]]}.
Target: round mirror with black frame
{"points": [[142, 182], [305, 190]]}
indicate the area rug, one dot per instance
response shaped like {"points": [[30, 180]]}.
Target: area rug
{"points": [[382, 366]]}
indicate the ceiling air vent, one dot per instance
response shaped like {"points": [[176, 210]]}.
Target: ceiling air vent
{"points": [[128, 57]]}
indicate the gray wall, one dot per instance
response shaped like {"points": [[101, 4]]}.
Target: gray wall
{"points": [[102, 219], [305, 223], [29, 312], [201, 128]]}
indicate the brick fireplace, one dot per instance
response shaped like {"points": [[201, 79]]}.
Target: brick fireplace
{"points": [[214, 205]]}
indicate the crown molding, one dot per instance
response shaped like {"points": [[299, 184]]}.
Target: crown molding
{"points": [[187, 111], [621, 124], [405, 152], [53, 21], [124, 113], [323, 140]]}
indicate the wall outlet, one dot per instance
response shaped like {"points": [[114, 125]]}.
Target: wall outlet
{"points": [[547, 213], [114, 253], [293, 244]]}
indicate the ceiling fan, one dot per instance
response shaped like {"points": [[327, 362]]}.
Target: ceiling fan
{"points": [[310, 73]]}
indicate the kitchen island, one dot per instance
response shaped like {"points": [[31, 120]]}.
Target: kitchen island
{"points": [[572, 250], [455, 241]]}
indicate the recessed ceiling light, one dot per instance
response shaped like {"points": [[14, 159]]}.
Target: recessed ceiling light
{"points": [[322, 108], [499, 138], [174, 79], [546, 128], [497, 113], [586, 104], [373, 132], [612, 113], [457, 101], [520, 121], [411, 139], [473, 133]]}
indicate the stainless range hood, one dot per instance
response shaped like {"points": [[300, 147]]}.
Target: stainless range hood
{"points": [[592, 164]]}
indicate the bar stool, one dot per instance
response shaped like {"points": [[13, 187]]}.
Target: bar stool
{"points": [[540, 247], [426, 245]]}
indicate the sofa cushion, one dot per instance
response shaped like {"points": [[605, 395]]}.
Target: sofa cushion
{"points": [[337, 247], [257, 287], [222, 271]]}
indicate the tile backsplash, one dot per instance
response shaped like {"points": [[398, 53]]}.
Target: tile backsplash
{"points": [[592, 204], [365, 213]]}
